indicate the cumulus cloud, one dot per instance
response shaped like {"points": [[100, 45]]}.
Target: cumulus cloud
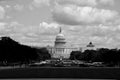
{"points": [[72, 14], [29, 34], [2, 12], [34, 31], [100, 35], [44, 33], [51, 25], [38, 34], [48, 29], [106, 35]]}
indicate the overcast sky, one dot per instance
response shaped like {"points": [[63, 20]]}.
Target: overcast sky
{"points": [[36, 22]]}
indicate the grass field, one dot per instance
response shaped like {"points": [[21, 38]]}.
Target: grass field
{"points": [[59, 72]]}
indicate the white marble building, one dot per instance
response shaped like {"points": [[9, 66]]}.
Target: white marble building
{"points": [[60, 48]]}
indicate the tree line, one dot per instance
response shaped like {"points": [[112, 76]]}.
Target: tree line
{"points": [[110, 56], [11, 51]]}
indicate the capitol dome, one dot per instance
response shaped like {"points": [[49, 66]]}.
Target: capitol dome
{"points": [[60, 37]]}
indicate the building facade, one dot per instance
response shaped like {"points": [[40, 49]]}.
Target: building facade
{"points": [[60, 49]]}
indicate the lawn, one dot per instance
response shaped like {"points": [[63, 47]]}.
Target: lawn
{"points": [[60, 72]]}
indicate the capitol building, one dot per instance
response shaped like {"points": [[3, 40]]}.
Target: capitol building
{"points": [[60, 49]]}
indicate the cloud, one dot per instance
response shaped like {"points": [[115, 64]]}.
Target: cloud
{"points": [[9, 28], [37, 34], [105, 2], [51, 25], [45, 33], [30, 34], [7, 6], [18, 7], [74, 15], [38, 3], [2, 26], [2, 12], [43, 28], [48, 29], [93, 3], [78, 2], [100, 35], [86, 2], [106, 35]]}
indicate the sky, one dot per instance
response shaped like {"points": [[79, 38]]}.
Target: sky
{"points": [[37, 22]]}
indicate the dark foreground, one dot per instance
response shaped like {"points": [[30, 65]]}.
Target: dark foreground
{"points": [[82, 73]]}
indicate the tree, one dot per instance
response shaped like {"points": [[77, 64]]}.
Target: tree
{"points": [[89, 55], [76, 55], [43, 53], [12, 51]]}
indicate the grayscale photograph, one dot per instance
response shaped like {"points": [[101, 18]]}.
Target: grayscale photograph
{"points": [[60, 39]]}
